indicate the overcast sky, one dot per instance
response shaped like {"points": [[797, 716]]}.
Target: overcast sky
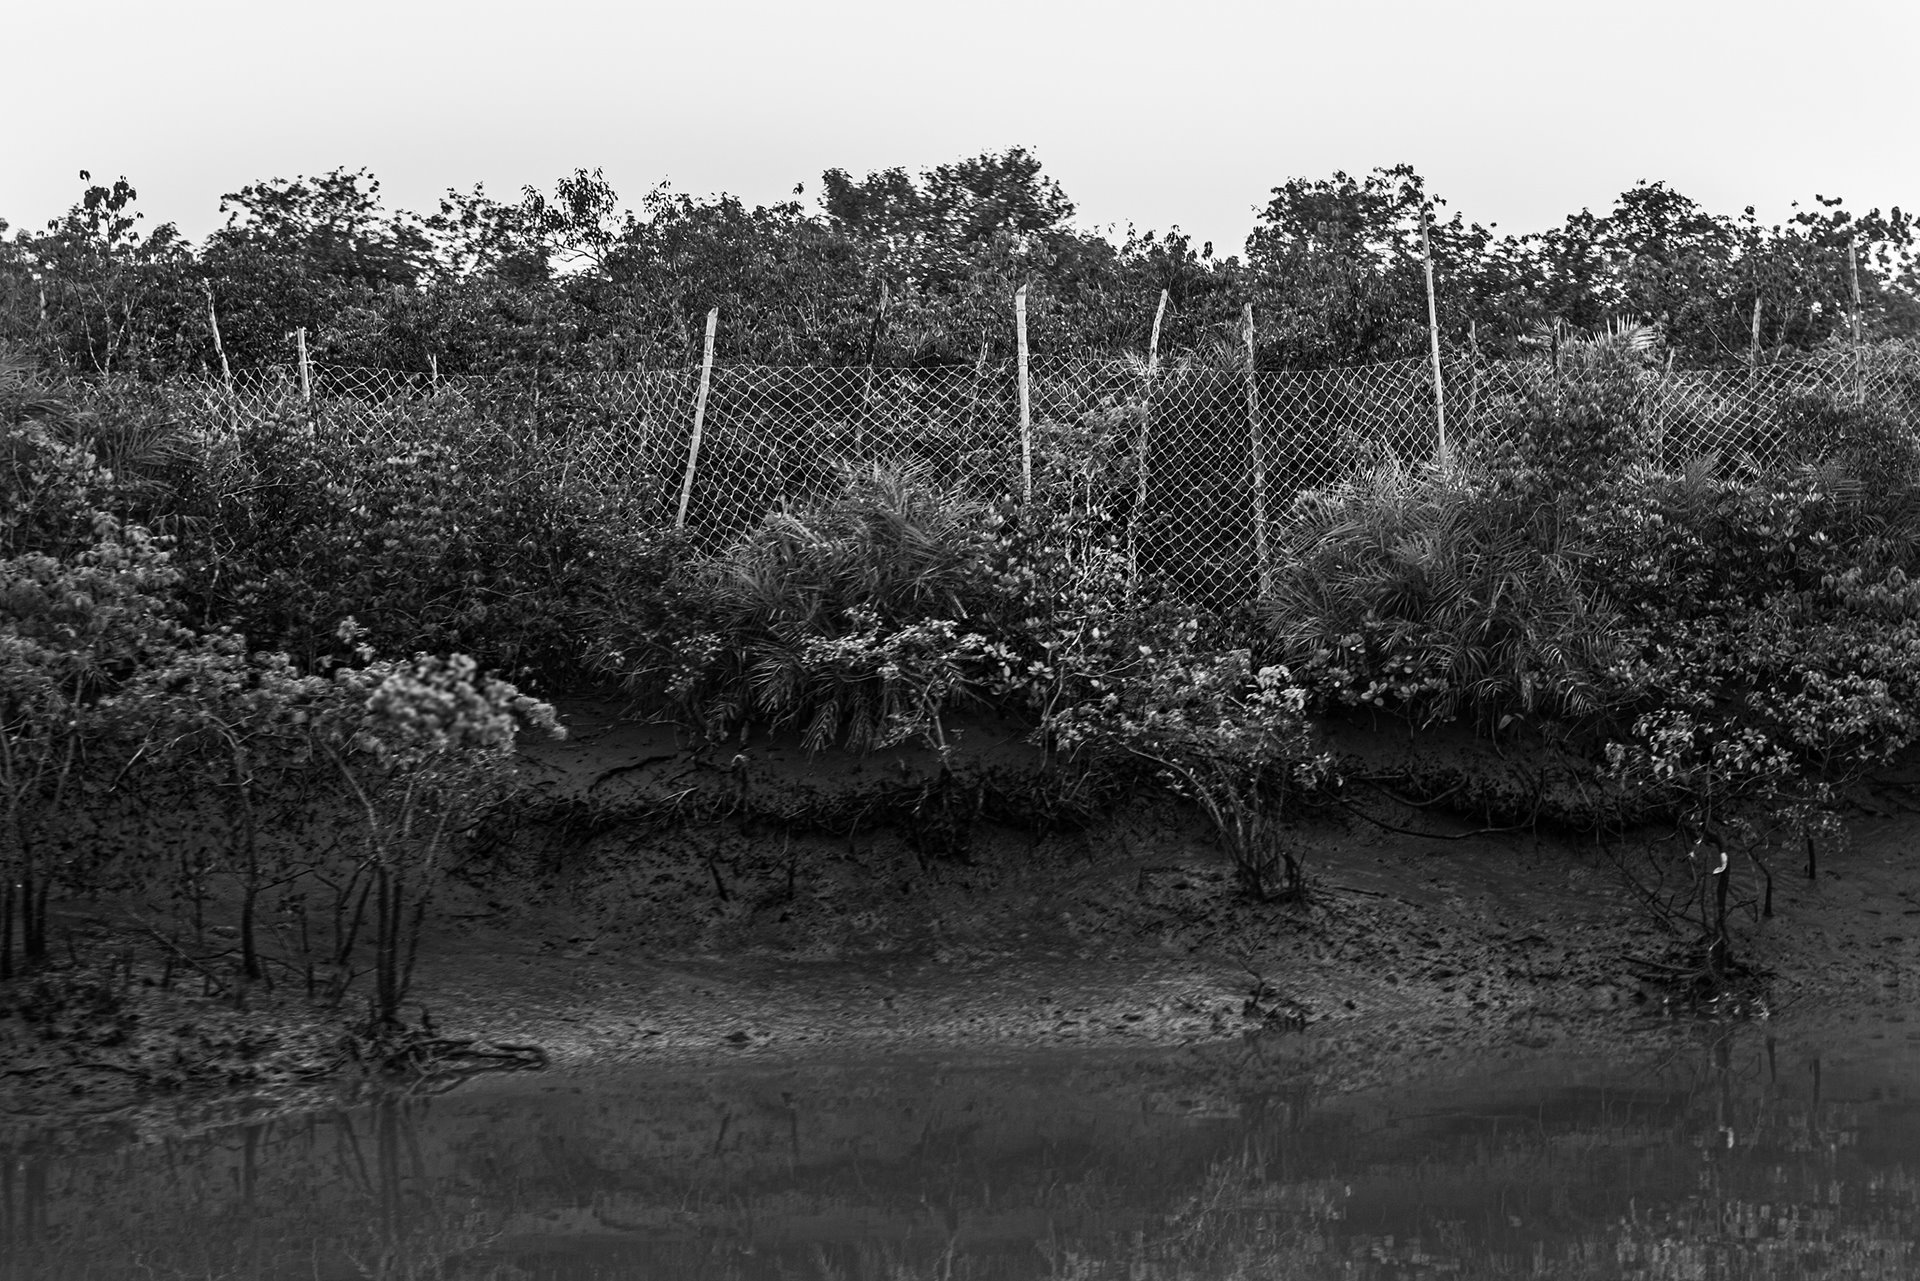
{"points": [[1188, 113]]}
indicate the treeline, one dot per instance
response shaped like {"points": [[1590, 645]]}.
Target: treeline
{"points": [[901, 269]]}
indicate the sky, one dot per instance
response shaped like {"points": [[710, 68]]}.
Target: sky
{"points": [[1517, 113]]}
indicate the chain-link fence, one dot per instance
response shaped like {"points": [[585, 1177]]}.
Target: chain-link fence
{"points": [[1187, 458]]}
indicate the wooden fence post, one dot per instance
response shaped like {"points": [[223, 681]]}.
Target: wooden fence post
{"points": [[873, 357], [1153, 343], [1859, 374], [433, 374], [699, 420], [1262, 553], [1433, 335], [1473, 374], [306, 377], [1026, 392], [1140, 450]]}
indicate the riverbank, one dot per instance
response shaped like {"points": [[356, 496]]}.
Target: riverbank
{"points": [[650, 904]]}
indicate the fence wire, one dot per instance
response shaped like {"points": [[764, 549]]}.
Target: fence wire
{"points": [[1185, 459]]}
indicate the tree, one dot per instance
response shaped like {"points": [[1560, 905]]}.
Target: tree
{"points": [[1807, 273], [93, 294], [294, 254], [473, 234], [1337, 273], [334, 225], [952, 208], [1657, 257], [954, 244]]}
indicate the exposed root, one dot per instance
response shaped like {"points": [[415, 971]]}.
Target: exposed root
{"points": [[417, 1055]]}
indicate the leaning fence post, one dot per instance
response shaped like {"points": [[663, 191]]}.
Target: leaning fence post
{"points": [[1140, 450], [1263, 556], [699, 420], [1433, 335], [1026, 392], [306, 377], [220, 350], [979, 377]]}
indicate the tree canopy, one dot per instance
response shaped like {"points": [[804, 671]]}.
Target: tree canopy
{"points": [[901, 267]]}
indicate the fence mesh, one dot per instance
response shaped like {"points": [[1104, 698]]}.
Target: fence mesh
{"points": [[1185, 459]]}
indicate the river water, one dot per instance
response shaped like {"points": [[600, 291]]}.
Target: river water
{"points": [[1755, 1150]]}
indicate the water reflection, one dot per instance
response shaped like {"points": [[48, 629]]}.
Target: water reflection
{"points": [[1741, 1154]]}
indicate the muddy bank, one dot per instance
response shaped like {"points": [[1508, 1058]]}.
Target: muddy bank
{"points": [[648, 903]]}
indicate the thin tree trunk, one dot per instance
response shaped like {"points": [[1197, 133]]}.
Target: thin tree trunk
{"points": [[33, 940], [7, 894], [250, 869], [385, 1001]]}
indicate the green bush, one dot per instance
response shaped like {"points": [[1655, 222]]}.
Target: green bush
{"points": [[868, 616], [1234, 741], [1775, 627], [1866, 442], [1579, 421], [1441, 591], [841, 618], [462, 535]]}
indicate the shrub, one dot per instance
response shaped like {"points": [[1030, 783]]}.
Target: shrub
{"points": [[1232, 740], [1867, 442], [1579, 421], [52, 488], [423, 747], [841, 618], [1439, 591], [1773, 632], [866, 617], [1773, 625], [1677, 544], [459, 534], [73, 630]]}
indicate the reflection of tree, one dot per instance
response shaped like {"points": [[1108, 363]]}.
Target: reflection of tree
{"points": [[1734, 1159], [1740, 1170], [344, 1195]]}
